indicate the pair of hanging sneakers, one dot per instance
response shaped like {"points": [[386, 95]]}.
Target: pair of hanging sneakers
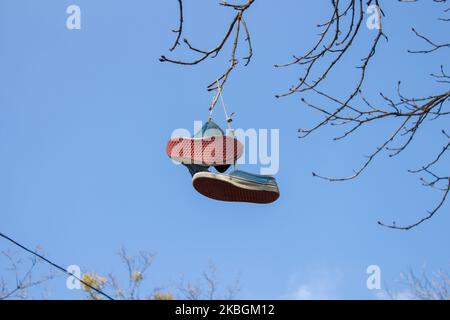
{"points": [[210, 147]]}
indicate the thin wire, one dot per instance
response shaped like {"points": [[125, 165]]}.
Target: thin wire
{"points": [[55, 265], [228, 118], [213, 104], [219, 90]]}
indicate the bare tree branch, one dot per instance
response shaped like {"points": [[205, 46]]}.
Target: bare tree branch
{"points": [[339, 34], [25, 277], [235, 26], [355, 111], [178, 31]]}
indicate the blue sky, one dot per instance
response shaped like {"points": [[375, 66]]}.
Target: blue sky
{"points": [[85, 116]]}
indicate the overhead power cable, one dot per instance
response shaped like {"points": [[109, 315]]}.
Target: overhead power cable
{"points": [[56, 266]]}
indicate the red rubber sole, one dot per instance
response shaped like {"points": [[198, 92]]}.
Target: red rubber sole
{"points": [[225, 191], [216, 150]]}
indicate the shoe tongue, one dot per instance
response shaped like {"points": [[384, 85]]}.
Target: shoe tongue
{"points": [[209, 129]]}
